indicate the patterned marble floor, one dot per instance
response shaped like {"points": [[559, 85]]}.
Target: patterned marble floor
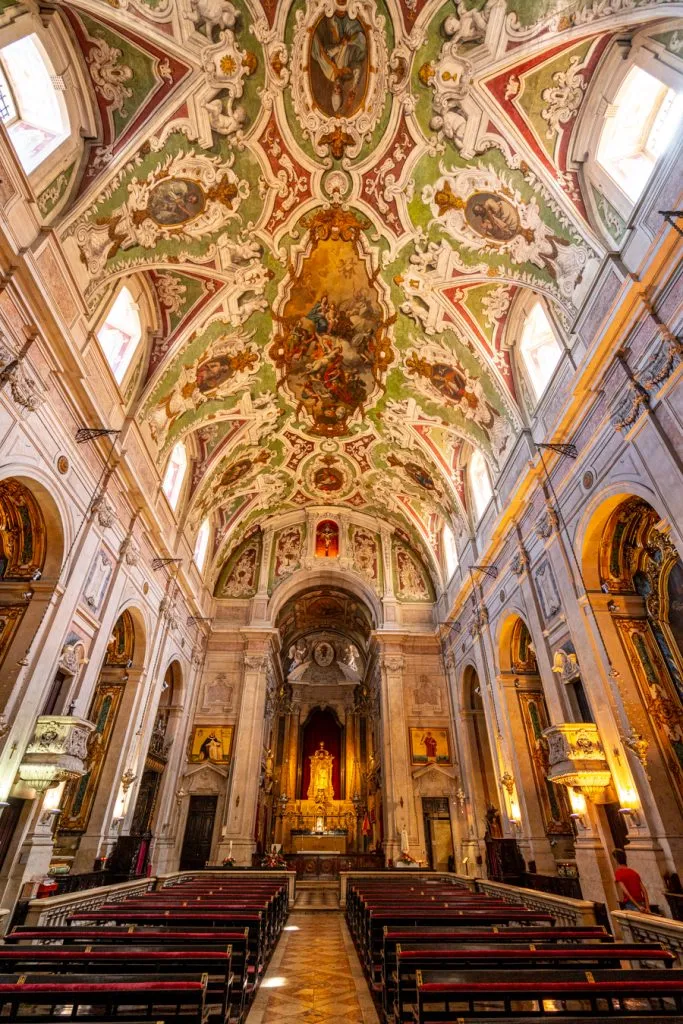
{"points": [[317, 896], [314, 976]]}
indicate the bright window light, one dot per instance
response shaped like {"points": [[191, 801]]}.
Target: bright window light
{"points": [[538, 348], [120, 333], [31, 106], [450, 551], [175, 474], [202, 544], [638, 127], [480, 483]]}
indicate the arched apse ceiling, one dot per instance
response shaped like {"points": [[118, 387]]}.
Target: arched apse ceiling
{"points": [[335, 205]]}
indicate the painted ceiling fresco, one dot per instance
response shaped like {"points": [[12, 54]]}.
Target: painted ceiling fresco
{"points": [[335, 204]]}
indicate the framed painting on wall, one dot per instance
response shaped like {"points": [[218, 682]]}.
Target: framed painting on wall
{"points": [[210, 743], [429, 745]]}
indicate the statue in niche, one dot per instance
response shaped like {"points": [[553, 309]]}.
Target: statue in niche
{"points": [[321, 788]]}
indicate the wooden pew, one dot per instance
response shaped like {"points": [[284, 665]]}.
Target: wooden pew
{"points": [[216, 965], [401, 992], [468, 995], [32, 999]]}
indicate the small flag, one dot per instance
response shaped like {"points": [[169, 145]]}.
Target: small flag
{"points": [[366, 825]]}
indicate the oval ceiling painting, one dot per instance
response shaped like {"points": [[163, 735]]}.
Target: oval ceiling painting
{"points": [[339, 65]]}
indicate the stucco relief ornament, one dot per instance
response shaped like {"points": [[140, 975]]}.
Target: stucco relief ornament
{"points": [[130, 551], [520, 561], [105, 513], [485, 213], [547, 524], [109, 75], [185, 197], [339, 74], [24, 389], [638, 745], [564, 98]]}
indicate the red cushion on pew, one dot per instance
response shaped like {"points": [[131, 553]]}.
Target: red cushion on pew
{"points": [[95, 986], [611, 987]]}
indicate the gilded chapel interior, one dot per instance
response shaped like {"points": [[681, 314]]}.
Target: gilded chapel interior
{"points": [[341, 510]]}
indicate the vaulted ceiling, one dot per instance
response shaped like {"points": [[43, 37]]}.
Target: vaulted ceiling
{"points": [[334, 207]]}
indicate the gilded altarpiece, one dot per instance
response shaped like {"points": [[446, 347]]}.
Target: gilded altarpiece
{"points": [[551, 798], [79, 795]]}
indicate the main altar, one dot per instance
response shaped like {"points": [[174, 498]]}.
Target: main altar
{"points": [[320, 823], [320, 794]]}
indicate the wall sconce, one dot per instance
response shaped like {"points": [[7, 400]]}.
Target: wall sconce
{"points": [[628, 805], [578, 805]]}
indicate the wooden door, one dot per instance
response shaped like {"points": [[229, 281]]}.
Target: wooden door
{"points": [[198, 832]]}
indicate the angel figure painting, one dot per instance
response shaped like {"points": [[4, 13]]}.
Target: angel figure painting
{"points": [[332, 348], [338, 65]]}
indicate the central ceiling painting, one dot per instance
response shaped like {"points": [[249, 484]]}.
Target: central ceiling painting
{"points": [[332, 348], [333, 208]]}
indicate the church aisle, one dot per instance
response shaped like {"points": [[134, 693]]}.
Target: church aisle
{"points": [[314, 976]]}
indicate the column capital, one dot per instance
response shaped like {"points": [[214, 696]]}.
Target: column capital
{"points": [[393, 662]]}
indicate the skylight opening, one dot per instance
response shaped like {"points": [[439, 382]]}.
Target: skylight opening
{"points": [[31, 106], [539, 348], [120, 333], [638, 128]]}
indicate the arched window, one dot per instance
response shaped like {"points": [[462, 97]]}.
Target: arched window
{"points": [[449, 550], [201, 545], [480, 483], [31, 107], [120, 333], [638, 127], [175, 474], [538, 348]]}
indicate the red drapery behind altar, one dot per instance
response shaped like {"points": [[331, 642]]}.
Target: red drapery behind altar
{"points": [[322, 727]]}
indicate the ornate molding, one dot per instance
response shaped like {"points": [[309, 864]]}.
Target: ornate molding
{"points": [[393, 662]]}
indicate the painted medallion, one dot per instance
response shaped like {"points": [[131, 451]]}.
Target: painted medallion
{"points": [[339, 65], [175, 201]]}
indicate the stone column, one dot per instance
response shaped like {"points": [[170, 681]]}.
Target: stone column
{"points": [[398, 786], [248, 749]]}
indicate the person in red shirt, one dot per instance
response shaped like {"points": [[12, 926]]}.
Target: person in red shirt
{"points": [[631, 892]]}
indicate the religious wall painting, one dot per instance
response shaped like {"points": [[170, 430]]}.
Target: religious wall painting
{"points": [[327, 539], [522, 653], [339, 74], [552, 798], [365, 553], [332, 347], [410, 578], [240, 575], [287, 551], [210, 743], [429, 745]]}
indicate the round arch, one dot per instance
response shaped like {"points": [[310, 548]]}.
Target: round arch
{"points": [[140, 634], [590, 527], [305, 579], [56, 515]]}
